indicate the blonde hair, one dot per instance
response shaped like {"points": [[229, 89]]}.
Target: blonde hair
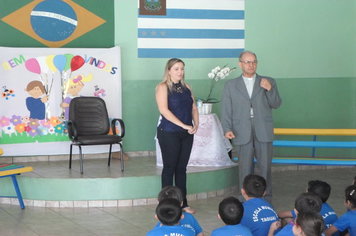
{"points": [[167, 78], [78, 80]]}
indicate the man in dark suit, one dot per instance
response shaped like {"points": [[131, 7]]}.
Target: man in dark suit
{"points": [[246, 118]]}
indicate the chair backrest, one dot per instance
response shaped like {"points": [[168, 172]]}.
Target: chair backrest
{"points": [[89, 116]]}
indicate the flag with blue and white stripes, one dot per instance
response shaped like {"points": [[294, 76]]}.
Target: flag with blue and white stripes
{"points": [[193, 29]]}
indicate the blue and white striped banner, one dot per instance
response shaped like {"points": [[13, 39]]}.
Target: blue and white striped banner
{"points": [[193, 29]]}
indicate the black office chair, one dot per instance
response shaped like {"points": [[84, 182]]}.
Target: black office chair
{"points": [[89, 124]]}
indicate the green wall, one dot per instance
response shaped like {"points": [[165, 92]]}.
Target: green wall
{"points": [[141, 75], [301, 38], [307, 46]]}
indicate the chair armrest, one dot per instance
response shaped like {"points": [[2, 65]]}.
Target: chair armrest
{"points": [[122, 127], [72, 131]]}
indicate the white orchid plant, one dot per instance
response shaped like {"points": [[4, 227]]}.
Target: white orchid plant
{"points": [[216, 74]]}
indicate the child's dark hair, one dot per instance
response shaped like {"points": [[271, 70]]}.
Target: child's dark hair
{"points": [[231, 211], [35, 83], [350, 195], [311, 223], [320, 188], [308, 202], [254, 185], [169, 211], [170, 192]]}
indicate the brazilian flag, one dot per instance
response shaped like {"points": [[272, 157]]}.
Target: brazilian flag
{"points": [[57, 23]]}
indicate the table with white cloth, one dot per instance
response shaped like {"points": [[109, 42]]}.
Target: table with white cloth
{"points": [[210, 147]]}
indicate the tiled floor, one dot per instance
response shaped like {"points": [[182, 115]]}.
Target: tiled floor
{"points": [[132, 221]]}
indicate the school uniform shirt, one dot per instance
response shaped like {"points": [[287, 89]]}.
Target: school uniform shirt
{"points": [[188, 222], [176, 230], [347, 221], [233, 230], [258, 216], [287, 230], [328, 214]]}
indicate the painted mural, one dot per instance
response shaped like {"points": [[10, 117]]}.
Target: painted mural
{"points": [[39, 83]]}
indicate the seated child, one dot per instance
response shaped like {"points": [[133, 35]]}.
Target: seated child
{"points": [[169, 212], [305, 203], [189, 220], [309, 224], [321, 189], [230, 212], [258, 213], [348, 220]]}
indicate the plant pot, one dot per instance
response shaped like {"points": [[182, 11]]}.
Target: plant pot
{"points": [[205, 109]]}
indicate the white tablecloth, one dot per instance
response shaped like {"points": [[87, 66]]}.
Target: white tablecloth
{"points": [[210, 147]]}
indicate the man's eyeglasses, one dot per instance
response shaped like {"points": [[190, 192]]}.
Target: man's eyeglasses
{"points": [[249, 62]]}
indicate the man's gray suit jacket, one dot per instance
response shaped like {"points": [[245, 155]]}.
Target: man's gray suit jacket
{"points": [[236, 104]]}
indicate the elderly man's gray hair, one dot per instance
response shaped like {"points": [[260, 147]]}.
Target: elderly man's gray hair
{"points": [[247, 52]]}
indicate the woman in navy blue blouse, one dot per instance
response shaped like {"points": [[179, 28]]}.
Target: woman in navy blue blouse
{"points": [[180, 121]]}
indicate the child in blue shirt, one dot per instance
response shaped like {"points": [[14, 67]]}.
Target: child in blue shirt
{"points": [[189, 221], [258, 213], [309, 224], [305, 203], [230, 212], [169, 212], [321, 189], [348, 220], [36, 102]]}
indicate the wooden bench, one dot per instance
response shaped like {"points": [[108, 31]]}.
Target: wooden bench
{"points": [[12, 170], [314, 144]]}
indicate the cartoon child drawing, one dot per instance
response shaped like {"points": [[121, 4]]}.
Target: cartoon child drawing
{"points": [[35, 103], [73, 88]]}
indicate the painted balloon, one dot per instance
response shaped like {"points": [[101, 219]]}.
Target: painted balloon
{"points": [[68, 60], [43, 65], [76, 63], [33, 66], [60, 62], [49, 62]]}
